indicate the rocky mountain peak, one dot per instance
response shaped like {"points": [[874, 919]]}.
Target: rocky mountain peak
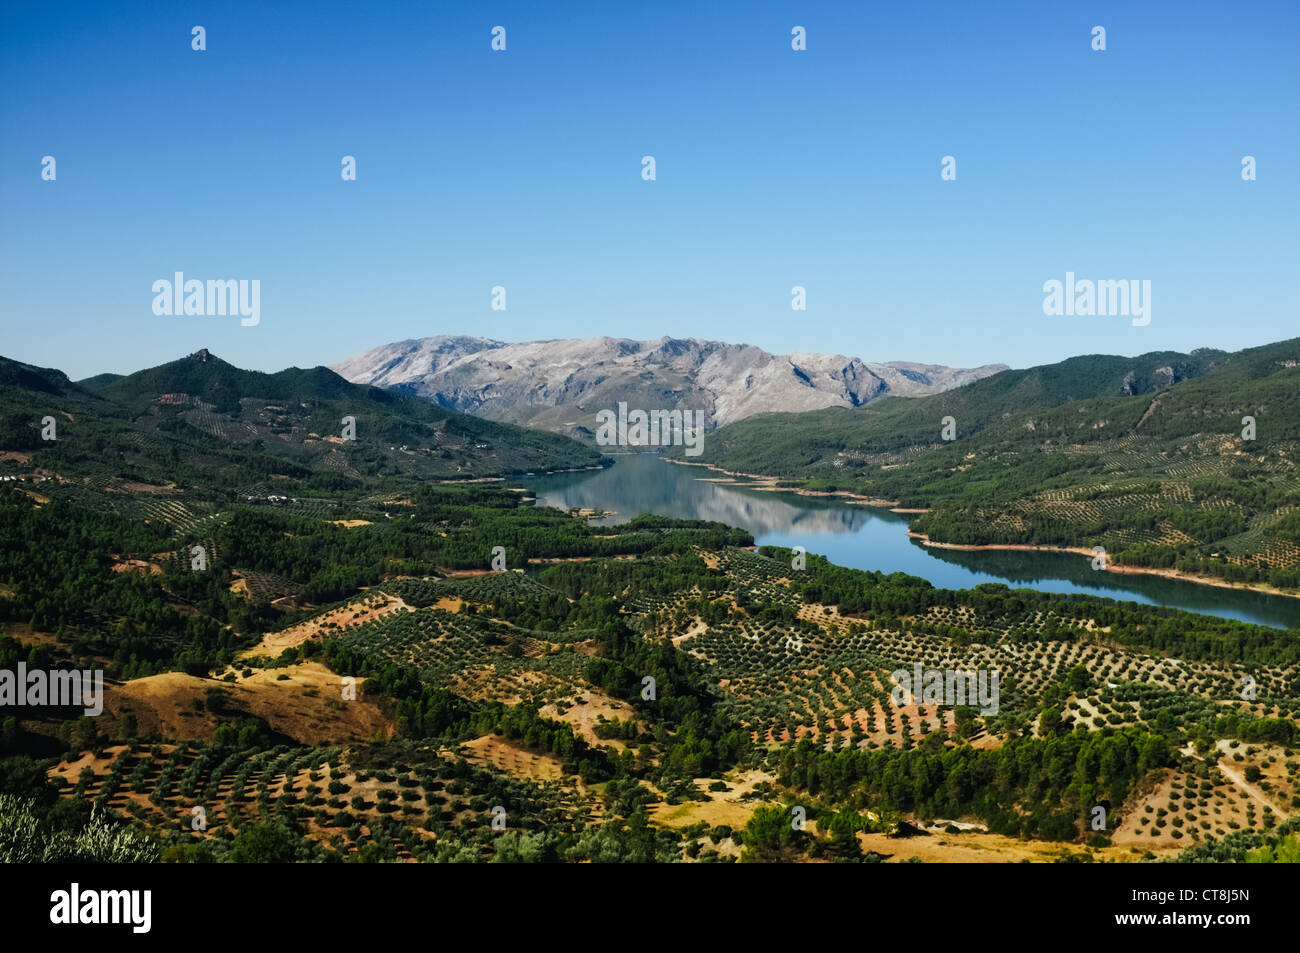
{"points": [[561, 384]]}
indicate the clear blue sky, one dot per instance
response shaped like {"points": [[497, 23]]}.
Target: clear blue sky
{"points": [[522, 169]]}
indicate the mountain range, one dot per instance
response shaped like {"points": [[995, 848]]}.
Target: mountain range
{"points": [[215, 542], [1084, 401], [560, 385]]}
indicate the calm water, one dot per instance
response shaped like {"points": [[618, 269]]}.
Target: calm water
{"points": [[870, 538]]}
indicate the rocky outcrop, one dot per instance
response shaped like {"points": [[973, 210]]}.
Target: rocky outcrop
{"points": [[560, 385]]}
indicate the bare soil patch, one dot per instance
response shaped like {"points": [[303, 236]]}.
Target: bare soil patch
{"points": [[307, 705]]}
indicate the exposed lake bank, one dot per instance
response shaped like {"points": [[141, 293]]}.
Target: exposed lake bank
{"points": [[853, 532], [769, 484]]}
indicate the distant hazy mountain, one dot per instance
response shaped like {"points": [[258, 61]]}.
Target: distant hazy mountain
{"points": [[560, 385]]}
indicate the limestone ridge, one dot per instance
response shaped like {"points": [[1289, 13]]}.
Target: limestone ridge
{"points": [[560, 384]]}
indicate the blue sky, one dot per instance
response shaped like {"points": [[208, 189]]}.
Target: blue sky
{"points": [[775, 168]]}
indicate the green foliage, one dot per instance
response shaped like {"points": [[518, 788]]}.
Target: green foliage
{"points": [[1032, 787], [771, 837], [26, 838], [1142, 455], [266, 844], [1280, 845]]}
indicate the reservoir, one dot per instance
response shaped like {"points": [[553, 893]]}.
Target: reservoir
{"points": [[865, 537]]}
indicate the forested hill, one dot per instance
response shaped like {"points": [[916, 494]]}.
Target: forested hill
{"points": [[200, 420], [1144, 455], [224, 386], [16, 378], [651, 690], [1078, 401]]}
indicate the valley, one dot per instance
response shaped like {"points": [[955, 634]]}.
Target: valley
{"points": [[450, 658], [1179, 463], [855, 531]]}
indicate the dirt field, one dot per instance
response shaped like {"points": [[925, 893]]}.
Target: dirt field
{"points": [[981, 848], [502, 754], [722, 807], [584, 717], [371, 606], [1176, 801], [306, 706], [483, 683], [137, 565]]}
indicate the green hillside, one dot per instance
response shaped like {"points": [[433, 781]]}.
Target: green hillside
{"points": [[650, 691], [1144, 456], [201, 422]]}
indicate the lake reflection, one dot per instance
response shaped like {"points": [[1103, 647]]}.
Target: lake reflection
{"points": [[871, 538]]}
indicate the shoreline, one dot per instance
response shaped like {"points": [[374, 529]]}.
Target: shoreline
{"points": [[1123, 570], [519, 476], [769, 484]]}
